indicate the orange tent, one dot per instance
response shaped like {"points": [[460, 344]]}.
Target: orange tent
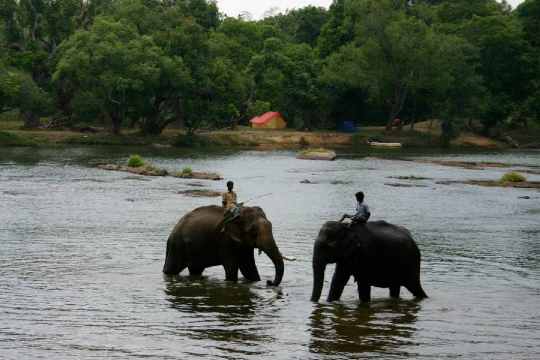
{"points": [[270, 120]]}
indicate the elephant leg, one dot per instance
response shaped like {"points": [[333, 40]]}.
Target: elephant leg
{"points": [[339, 280], [231, 271], [364, 292], [416, 289], [394, 291], [195, 271], [248, 267]]}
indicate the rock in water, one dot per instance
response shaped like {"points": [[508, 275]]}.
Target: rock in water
{"points": [[317, 154], [200, 193]]}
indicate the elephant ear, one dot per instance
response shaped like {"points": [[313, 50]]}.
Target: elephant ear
{"points": [[237, 230], [350, 243], [338, 237], [234, 237], [233, 232]]}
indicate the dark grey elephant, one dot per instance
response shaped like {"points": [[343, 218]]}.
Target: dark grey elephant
{"points": [[375, 254], [196, 242]]}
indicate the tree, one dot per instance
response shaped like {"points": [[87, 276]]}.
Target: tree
{"points": [[34, 29], [286, 76], [528, 13], [113, 62], [338, 29], [392, 55], [458, 93], [502, 61], [19, 92], [301, 26]]}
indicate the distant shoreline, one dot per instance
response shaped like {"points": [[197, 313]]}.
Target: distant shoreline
{"points": [[421, 137]]}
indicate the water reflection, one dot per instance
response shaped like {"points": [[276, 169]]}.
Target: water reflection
{"points": [[206, 295], [380, 327], [221, 311]]}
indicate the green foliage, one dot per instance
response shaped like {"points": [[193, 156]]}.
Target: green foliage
{"points": [[258, 108], [392, 55], [19, 91], [301, 26], [135, 161], [187, 171], [529, 15], [10, 139], [190, 140], [152, 63], [113, 62], [513, 177]]}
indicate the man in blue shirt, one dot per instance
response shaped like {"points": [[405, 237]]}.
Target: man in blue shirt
{"points": [[362, 211]]}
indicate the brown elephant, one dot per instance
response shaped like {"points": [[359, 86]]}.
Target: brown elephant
{"points": [[197, 242]]}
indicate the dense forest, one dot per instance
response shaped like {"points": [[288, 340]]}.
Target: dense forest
{"points": [[148, 63]]}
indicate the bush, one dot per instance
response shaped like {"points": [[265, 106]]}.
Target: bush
{"points": [[10, 139], [156, 170], [187, 171], [258, 108], [185, 140], [513, 177], [135, 161]]}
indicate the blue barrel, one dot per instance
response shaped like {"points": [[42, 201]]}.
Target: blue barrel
{"points": [[348, 126]]}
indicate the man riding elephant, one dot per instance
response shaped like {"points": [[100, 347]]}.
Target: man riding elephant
{"points": [[231, 205]]}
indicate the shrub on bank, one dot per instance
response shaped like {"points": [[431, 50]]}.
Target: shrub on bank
{"points": [[135, 161], [513, 177], [10, 139], [187, 171], [184, 140]]}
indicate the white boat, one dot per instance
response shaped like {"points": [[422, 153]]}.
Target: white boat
{"points": [[384, 144]]}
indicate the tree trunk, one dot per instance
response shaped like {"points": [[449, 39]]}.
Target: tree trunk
{"points": [[151, 126], [31, 120], [413, 117], [396, 104], [116, 122]]}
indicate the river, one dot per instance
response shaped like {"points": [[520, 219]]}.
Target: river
{"points": [[81, 252]]}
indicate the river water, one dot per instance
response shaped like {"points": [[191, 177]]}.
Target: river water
{"points": [[81, 252]]}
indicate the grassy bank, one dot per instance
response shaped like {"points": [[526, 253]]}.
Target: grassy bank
{"points": [[10, 139], [424, 135]]}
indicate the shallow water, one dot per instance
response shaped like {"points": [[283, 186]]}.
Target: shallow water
{"points": [[82, 251]]}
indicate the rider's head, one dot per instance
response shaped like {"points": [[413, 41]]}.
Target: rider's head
{"points": [[230, 185], [359, 196]]}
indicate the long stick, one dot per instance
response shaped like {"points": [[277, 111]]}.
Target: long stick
{"points": [[256, 197]]}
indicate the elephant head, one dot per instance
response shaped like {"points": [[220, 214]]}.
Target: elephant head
{"points": [[253, 229], [332, 244]]}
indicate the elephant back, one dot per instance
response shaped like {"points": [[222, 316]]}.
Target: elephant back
{"points": [[201, 218], [382, 239], [388, 232]]}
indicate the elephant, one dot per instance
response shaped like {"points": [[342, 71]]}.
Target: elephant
{"points": [[199, 241], [375, 253]]}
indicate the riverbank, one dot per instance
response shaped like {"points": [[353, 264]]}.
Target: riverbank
{"points": [[424, 134]]}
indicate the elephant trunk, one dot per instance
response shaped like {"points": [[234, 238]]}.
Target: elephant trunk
{"points": [[171, 266], [276, 257], [319, 266]]}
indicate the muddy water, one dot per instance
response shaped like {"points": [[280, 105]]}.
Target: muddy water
{"points": [[81, 252]]}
